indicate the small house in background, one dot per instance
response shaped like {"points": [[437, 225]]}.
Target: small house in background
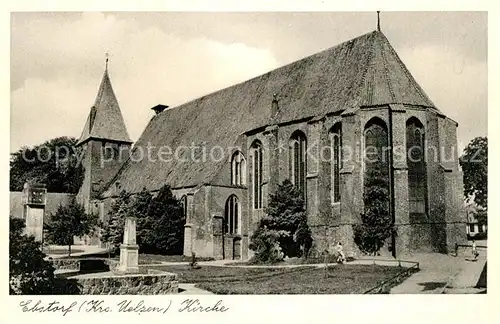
{"points": [[476, 227]]}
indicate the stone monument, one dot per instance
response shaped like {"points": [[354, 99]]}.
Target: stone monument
{"points": [[129, 250], [34, 201]]}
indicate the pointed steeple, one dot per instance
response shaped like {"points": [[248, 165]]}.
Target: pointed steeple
{"points": [[105, 120]]}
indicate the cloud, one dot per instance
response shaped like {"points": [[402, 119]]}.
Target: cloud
{"points": [[65, 62], [170, 58], [457, 84]]}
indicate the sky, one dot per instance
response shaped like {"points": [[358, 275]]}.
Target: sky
{"points": [[58, 59]]}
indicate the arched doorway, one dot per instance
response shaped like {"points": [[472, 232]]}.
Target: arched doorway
{"points": [[232, 229]]}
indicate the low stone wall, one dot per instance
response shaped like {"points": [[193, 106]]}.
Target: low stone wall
{"points": [[85, 264], [153, 283], [92, 281]]}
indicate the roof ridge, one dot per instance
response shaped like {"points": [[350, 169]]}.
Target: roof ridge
{"points": [[219, 118], [386, 71], [365, 72], [407, 73], [331, 48]]}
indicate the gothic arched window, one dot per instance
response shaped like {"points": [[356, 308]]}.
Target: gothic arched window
{"points": [[336, 161], [377, 152], [184, 206], [298, 149], [417, 175], [257, 174], [231, 216], [238, 169]]}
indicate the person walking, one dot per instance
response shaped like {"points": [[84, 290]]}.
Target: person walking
{"points": [[474, 249]]}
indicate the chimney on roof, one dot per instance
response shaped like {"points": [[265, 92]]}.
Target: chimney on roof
{"points": [[159, 108]]}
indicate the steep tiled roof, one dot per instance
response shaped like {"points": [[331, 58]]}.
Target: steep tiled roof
{"points": [[364, 71], [105, 120]]}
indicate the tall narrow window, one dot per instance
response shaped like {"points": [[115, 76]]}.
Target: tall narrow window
{"points": [[298, 148], [238, 169], [376, 159], [257, 174], [184, 206], [417, 175], [231, 216], [336, 143], [109, 150]]}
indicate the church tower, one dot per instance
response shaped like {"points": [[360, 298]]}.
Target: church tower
{"points": [[105, 142]]}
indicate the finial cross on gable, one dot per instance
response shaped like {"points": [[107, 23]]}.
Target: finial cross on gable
{"points": [[378, 20]]}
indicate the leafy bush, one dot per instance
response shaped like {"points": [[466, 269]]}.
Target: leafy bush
{"points": [[377, 225], [265, 244], [283, 230], [162, 228], [29, 272], [160, 221]]}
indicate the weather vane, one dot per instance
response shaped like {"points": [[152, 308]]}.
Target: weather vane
{"points": [[107, 58]]}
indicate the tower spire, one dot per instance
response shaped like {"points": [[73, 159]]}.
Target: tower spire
{"points": [[378, 20]]}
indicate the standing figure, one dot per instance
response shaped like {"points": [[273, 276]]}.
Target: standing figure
{"points": [[474, 249], [340, 253]]}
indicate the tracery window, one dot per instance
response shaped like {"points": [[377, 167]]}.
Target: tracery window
{"points": [[238, 169], [257, 182]]}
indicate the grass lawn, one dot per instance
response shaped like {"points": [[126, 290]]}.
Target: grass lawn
{"points": [[295, 261], [342, 279], [222, 274]]}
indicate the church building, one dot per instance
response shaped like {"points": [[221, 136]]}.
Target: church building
{"points": [[319, 122]]}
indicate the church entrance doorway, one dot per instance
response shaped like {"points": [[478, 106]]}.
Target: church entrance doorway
{"points": [[237, 248]]}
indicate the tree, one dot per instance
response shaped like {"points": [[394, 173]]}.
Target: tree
{"points": [[286, 222], [54, 163], [474, 163], [140, 208], [163, 229], [160, 221], [29, 272], [376, 222], [113, 227], [69, 221]]}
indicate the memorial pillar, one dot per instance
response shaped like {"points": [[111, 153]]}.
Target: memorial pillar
{"points": [[34, 201], [129, 250]]}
